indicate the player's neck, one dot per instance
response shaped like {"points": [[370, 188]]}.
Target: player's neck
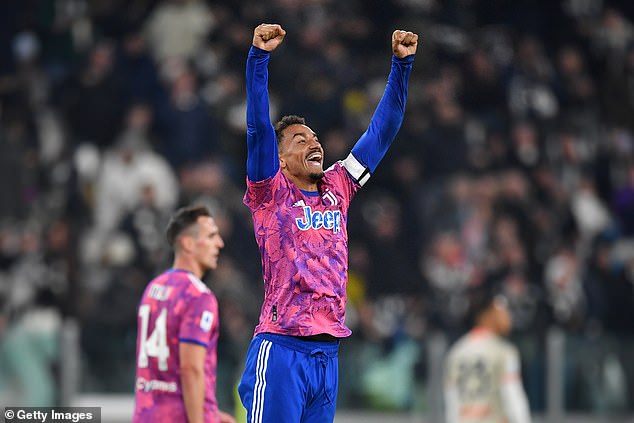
{"points": [[482, 330], [303, 184], [189, 265]]}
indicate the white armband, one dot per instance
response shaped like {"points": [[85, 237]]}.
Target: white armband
{"points": [[356, 169]]}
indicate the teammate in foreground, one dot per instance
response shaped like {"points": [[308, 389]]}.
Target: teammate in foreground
{"points": [[483, 382], [178, 329], [299, 215]]}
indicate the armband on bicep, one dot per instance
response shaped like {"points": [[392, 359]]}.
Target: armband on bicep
{"points": [[355, 168]]}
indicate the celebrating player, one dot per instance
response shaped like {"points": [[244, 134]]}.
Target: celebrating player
{"points": [[178, 329], [299, 215], [482, 382]]}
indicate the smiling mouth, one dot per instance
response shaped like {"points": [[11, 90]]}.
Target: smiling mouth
{"points": [[314, 158]]}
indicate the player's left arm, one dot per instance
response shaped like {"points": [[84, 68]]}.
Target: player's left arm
{"points": [[388, 116], [192, 369], [451, 397], [513, 396], [197, 329]]}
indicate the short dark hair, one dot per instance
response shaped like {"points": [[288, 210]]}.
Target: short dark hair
{"points": [[481, 298], [182, 219], [285, 122]]}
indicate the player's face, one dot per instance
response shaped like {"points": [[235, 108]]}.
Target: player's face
{"points": [[502, 315], [208, 243], [301, 154]]}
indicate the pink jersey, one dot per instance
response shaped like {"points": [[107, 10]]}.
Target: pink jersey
{"points": [[175, 307], [303, 241]]}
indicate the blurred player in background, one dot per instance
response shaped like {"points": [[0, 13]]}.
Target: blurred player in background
{"points": [[482, 372], [299, 215], [178, 329]]}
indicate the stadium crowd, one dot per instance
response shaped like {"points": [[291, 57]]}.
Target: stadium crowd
{"points": [[514, 166]]}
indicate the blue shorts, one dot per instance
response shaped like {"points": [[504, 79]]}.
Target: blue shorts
{"points": [[289, 380]]}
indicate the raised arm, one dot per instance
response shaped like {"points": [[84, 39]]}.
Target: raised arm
{"points": [[262, 159], [388, 116]]}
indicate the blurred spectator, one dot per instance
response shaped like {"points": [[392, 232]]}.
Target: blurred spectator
{"points": [[115, 18], [30, 346], [208, 183], [383, 216], [623, 202], [92, 100], [612, 36], [448, 274], [187, 130], [530, 91], [18, 166], [483, 91], [570, 153], [610, 289], [617, 93], [110, 370], [526, 304], [527, 152], [445, 150], [128, 168], [144, 225], [562, 277], [591, 215], [64, 29], [138, 72], [176, 29], [575, 89]]}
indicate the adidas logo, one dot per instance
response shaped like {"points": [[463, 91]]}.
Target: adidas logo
{"points": [[299, 203]]}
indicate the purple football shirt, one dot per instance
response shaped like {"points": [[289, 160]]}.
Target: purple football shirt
{"points": [[303, 241], [176, 307]]}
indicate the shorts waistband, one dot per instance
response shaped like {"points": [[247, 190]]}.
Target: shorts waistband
{"points": [[309, 346], [321, 337]]}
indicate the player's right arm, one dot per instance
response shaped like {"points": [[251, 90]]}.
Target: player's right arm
{"points": [[192, 369], [262, 158], [198, 328]]}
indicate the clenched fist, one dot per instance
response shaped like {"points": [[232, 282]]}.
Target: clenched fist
{"points": [[404, 43], [268, 36]]}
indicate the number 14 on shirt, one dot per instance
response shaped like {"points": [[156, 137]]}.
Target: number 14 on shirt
{"points": [[156, 345]]}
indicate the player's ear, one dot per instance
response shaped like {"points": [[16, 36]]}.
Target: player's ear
{"points": [[281, 149], [186, 242]]}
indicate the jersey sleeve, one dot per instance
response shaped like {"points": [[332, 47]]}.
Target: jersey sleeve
{"points": [[262, 160], [343, 180], [385, 124], [450, 392], [452, 403], [261, 194], [513, 396], [199, 321]]}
